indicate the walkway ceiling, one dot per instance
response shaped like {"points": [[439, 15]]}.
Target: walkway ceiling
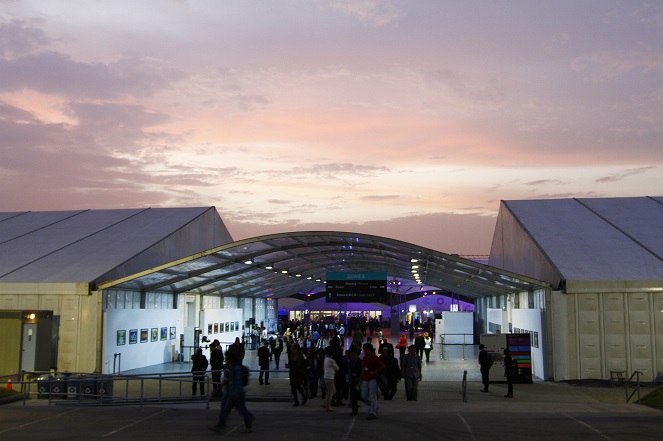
{"points": [[287, 264]]}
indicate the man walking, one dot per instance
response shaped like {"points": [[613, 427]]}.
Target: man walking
{"points": [[234, 397], [263, 362], [371, 368]]}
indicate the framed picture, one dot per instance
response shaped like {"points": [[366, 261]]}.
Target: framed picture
{"points": [[220, 327], [232, 326], [164, 333], [121, 337], [155, 334], [227, 327], [173, 332], [143, 335], [236, 326], [133, 336], [209, 329], [216, 328]]}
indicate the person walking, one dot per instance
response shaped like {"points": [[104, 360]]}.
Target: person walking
{"points": [[235, 396], [330, 369], [428, 346], [371, 368], [297, 366], [263, 362], [216, 363], [278, 349], [485, 363], [411, 371], [391, 374], [198, 369], [355, 371], [509, 370], [419, 344], [402, 347]]}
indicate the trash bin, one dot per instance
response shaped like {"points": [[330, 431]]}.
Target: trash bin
{"points": [[58, 389], [105, 386], [73, 386], [88, 387], [43, 386]]}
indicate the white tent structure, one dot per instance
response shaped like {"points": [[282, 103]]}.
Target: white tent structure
{"points": [[604, 260], [53, 261]]}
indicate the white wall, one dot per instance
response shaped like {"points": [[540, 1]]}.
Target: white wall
{"points": [[137, 355], [532, 320], [457, 327], [221, 317]]}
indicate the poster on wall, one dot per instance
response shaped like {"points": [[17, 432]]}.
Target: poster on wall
{"points": [[155, 334], [173, 332], [164, 333], [143, 335], [232, 326], [121, 337], [227, 326], [133, 336], [220, 327], [236, 326], [216, 328], [209, 329]]}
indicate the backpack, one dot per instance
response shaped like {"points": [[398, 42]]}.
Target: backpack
{"points": [[245, 375]]}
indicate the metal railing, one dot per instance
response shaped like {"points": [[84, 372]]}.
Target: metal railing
{"points": [[89, 389], [455, 340], [636, 386]]}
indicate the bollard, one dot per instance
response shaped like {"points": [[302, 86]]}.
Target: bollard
{"points": [[9, 384]]}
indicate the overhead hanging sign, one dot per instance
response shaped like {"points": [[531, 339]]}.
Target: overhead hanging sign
{"points": [[365, 287]]}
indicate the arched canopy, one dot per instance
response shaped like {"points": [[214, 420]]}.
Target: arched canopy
{"points": [[287, 264]]}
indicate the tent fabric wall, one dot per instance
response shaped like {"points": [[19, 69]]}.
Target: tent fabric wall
{"points": [[53, 260], [606, 258]]}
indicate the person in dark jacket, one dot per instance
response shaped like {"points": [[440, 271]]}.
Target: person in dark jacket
{"points": [[509, 368], [278, 349], [263, 362], [235, 396], [198, 371], [485, 362], [216, 363], [391, 374], [419, 345]]}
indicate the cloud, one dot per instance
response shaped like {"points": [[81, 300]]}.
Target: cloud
{"points": [[615, 177], [374, 13], [334, 169], [17, 39], [56, 73]]}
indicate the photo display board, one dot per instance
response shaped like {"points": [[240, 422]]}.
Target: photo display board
{"points": [[365, 287]]}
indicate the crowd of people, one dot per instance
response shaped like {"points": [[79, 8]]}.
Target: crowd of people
{"points": [[335, 362]]}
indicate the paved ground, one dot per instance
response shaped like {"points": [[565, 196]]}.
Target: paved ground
{"points": [[543, 411]]}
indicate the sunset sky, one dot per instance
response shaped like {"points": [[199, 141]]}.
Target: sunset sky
{"points": [[406, 119]]}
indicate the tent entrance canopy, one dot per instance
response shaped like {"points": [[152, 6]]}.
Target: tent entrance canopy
{"points": [[287, 264]]}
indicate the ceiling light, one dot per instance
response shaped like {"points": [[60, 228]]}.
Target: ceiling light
{"points": [[285, 271], [248, 261], [268, 267]]}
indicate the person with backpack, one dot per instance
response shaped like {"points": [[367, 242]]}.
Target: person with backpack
{"points": [[510, 367], [234, 396], [485, 363]]}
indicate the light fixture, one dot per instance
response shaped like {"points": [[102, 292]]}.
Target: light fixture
{"points": [[284, 271], [269, 266], [248, 262]]}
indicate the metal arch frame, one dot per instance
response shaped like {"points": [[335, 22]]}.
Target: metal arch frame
{"points": [[222, 270]]}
